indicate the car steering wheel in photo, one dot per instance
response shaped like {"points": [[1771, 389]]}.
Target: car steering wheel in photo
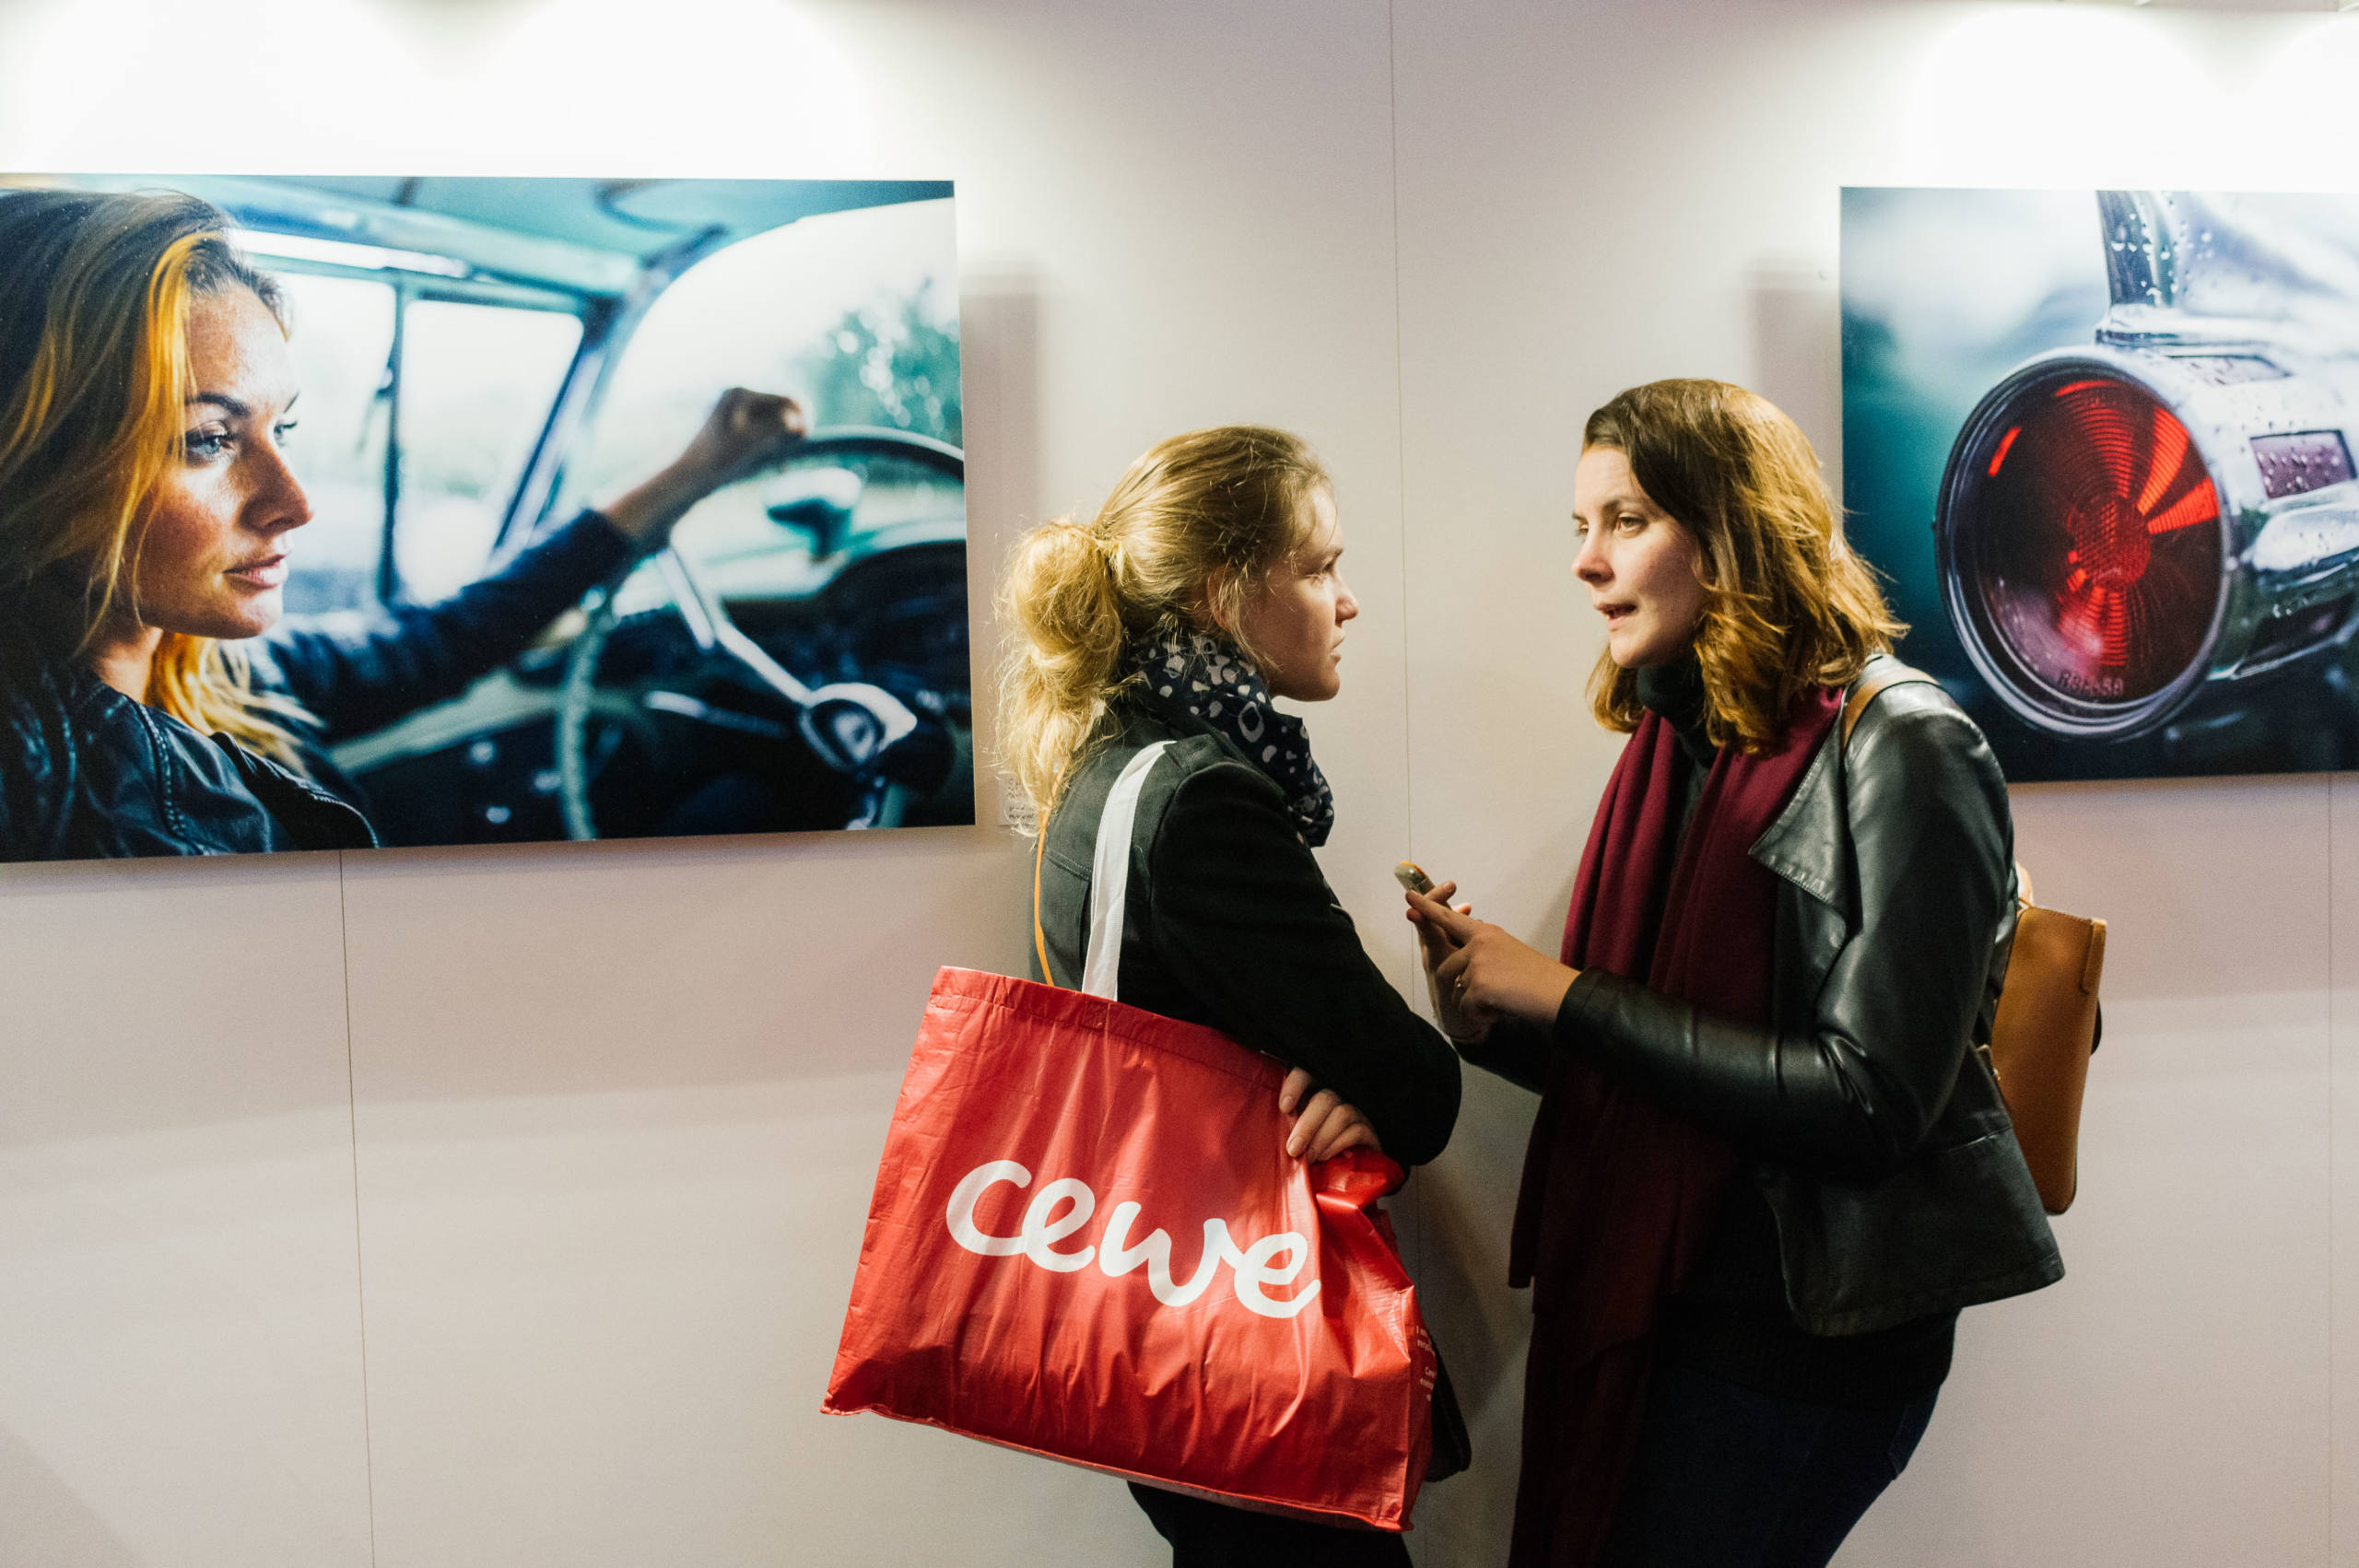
{"points": [[847, 698], [2127, 418]]}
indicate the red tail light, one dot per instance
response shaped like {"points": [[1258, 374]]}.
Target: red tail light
{"points": [[2093, 557]]}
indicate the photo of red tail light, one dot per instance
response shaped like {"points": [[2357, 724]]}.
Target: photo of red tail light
{"points": [[2144, 533]]}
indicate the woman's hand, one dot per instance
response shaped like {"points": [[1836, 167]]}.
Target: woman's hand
{"points": [[1465, 1026], [745, 432], [1487, 973], [1327, 1126]]}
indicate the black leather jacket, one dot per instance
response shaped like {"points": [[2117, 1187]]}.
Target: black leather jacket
{"points": [[1871, 1122], [86, 772]]}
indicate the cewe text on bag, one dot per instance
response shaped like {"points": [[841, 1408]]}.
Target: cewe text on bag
{"points": [[1044, 1226]]}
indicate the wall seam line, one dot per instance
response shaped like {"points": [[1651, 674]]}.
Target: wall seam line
{"points": [[1401, 448], [359, 1270], [1401, 485]]}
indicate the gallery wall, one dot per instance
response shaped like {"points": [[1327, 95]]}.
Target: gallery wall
{"points": [[447, 1208]]}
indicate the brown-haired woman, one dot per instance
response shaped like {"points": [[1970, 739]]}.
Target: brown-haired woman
{"points": [[145, 513], [1208, 584], [1769, 1165]]}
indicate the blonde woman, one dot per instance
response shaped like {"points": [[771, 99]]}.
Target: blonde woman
{"points": [[147, 521], [1208, 584], [1769, 1165]]}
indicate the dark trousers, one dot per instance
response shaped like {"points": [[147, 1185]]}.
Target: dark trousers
{"points": [[1726, 1478], [1213, 1535]]}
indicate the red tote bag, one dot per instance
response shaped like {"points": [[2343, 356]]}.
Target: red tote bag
{"points": [[1087, 1242]]}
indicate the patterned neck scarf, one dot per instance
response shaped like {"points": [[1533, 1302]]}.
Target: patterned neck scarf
{"points": [[1205, 678]]}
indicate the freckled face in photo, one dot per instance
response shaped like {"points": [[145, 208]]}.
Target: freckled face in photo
{"points": [[212, 547]]}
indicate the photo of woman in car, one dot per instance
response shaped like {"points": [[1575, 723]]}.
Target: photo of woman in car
{"points": [[536, 567], [151, 703]]}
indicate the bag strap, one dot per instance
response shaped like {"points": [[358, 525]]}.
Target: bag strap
{"points": [[1109, 880], [1109, 873], [1039, 937], [1867, 691], [1864, 692]]}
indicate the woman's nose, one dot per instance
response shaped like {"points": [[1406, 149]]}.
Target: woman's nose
{"points": [[1589, 561], [1348, 607], [278, 504]]}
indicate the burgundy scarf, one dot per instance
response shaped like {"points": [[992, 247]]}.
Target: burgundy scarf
{"points": [[1619, 1197]]}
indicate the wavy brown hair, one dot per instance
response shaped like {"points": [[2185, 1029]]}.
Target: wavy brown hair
{"points": [[1192, 527], [1788, 606], [94, 368]]}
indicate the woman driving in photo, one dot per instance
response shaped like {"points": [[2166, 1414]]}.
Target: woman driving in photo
{"points": [[150, 702], [1208, 584], [1770, 1165]]}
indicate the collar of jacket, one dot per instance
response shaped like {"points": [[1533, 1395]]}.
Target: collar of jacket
{"points": [[1130, 718], [315, 817], [1810, 844]]}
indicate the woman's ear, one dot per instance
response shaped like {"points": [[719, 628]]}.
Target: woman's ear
{"points": [[1220, 604]]}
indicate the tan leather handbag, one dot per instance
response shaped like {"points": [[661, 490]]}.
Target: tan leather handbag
{"points": [[2047, 1020]]}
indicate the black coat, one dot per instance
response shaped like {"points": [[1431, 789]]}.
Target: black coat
{"points": [[1873, 1126], [1229, 923], [86, 772]]}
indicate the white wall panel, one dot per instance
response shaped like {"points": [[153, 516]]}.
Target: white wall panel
{"points": [[2342, 1181], [618, 1116], [179, 1335]]}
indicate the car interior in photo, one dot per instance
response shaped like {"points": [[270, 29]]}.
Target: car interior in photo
{"points": [[481, 356]]}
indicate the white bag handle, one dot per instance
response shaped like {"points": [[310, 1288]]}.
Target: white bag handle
{"points": [[1110, 874]]}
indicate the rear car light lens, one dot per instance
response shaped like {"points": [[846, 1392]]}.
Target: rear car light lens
{"points": [[2089, 557]]}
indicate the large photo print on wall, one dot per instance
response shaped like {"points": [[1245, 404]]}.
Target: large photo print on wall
{"points": [[452, 510], [2102, 443]]}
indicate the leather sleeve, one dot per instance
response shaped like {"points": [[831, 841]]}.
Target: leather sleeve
{"points": [[356, 673], [1243, 919], [36, 762], [1856, 1093], [1514, 1049]]}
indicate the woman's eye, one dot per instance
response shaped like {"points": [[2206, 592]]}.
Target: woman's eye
{"points": [[281, 434], [202, 444]]}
